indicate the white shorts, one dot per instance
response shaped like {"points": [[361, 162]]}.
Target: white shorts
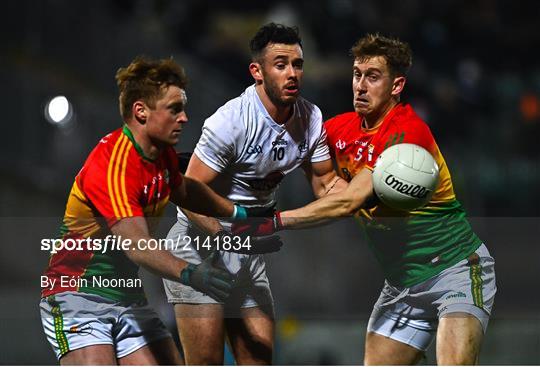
{"points": [[411, 315], [252, 286], [73, 320]]}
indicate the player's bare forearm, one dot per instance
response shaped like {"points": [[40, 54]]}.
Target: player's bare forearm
{"points": [[206, 224], [199, 198], [336, 185], [319, 212], [160, 262], [323, 178], [342, 204]]}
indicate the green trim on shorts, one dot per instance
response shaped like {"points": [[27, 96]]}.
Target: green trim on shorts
{"points": [[61, 338], [477, 285]]}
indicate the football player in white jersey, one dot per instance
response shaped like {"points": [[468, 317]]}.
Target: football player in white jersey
{"points": [[246, 148]]}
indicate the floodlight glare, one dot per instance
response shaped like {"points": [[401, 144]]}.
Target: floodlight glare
{"points": [[58, 111]]}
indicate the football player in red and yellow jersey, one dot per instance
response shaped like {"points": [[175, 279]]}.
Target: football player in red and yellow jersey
{"points": [[93, 306], [440, 277]]}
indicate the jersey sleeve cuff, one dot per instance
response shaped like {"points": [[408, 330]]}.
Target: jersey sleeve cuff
{"points": [[320, 158]]}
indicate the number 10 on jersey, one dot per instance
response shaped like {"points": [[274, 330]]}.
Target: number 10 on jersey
{"points": [[278, 153]]}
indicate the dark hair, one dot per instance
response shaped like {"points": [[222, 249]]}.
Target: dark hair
{"points": [[146, 79], [273, 33], [398, 54]]}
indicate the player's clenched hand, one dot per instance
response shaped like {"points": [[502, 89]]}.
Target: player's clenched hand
{"points": [[207, 278], [257, 245], [258, 226]]}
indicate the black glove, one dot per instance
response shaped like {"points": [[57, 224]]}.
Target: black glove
{"points": [[242, 244], [206, 278]]}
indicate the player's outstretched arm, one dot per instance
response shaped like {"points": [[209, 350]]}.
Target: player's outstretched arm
{"points": [[341, 204], [215, 282], [323, 178]]}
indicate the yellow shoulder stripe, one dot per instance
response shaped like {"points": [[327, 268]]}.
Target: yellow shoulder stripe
{"points": [[123, 181], [109, 177], [116, 177]]}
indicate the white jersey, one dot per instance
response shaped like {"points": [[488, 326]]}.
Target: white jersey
{"points": [[253, 153]]}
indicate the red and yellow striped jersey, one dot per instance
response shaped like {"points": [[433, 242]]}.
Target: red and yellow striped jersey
{"points": [[117, 181], [411, 246]]}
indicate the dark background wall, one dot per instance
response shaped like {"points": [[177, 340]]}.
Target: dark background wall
{"points": [[475, 80]]}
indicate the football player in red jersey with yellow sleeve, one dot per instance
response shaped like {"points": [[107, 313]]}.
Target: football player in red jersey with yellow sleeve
{"points": [[440, 278], [93, 307]]}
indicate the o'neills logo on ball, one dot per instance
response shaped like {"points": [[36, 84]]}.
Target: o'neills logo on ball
{"points": [[415, 191]]}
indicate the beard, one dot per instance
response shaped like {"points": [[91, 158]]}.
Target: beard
{"points": [[273, 91]]}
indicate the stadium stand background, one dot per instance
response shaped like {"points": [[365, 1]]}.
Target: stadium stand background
{"points": [[475, 79]]}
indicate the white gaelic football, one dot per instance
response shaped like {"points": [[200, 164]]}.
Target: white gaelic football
{"points": [[405, 176]]}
